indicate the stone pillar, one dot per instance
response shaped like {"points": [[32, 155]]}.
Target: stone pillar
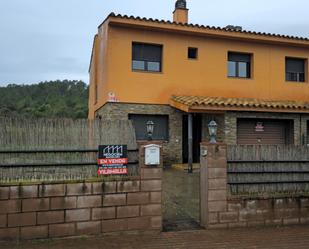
{"points": [[151, 181], [213, 184]]}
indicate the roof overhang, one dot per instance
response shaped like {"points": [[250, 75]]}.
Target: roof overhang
{"points": [[202, 104], [201, 30]]}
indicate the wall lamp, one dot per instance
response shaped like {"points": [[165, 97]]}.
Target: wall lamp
{"points": [[150, 128], [212, 129]]}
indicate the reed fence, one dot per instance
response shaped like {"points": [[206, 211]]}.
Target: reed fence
{"points": [[268, 169], [59, 149]]}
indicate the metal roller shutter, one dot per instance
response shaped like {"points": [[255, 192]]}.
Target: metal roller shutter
{"points": [[270, 132]]}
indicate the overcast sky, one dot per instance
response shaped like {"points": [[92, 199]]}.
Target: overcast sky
{"points": [[52, 39]]}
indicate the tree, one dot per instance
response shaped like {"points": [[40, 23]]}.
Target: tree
{"points": [[50, 99]]}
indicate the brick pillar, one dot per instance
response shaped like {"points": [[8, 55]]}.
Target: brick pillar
{"points": [[151, 181], [213, 183]]}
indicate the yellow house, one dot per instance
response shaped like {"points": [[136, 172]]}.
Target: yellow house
{"points": [[182, 76]]}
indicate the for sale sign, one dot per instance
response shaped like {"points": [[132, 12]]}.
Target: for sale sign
{"points": [[113, 160]]}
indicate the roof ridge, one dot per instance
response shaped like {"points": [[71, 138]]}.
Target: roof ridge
{"points": [[292, 37]]}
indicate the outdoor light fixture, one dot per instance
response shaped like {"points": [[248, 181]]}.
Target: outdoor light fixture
{"points": [[150, 128], [212, 129]]}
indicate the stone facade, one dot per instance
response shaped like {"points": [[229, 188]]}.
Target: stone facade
{"points": [[172, 149], [227, 124], [220, 210], [41, 211]]}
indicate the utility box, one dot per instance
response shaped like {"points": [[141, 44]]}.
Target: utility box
{"points": [[152, 155]]}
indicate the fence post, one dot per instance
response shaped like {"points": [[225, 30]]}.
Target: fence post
{"points": [[151, 182], [213, 184]]}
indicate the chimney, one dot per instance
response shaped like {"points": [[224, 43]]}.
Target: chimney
{"points": [[181, 12]]}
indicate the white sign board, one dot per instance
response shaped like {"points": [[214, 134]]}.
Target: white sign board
{"points": [[152, 154]]}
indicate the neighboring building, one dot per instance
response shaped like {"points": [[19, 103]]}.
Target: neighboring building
{"points": [[254, 85]]}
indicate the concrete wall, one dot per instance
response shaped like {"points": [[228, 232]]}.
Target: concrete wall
{"points": [[220, 210], [73, 209]]}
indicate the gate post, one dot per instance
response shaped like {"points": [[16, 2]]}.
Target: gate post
{"points": [[151, 186], [213, 184]]}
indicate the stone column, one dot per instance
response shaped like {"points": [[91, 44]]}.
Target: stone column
{"points": [[213, 184]]}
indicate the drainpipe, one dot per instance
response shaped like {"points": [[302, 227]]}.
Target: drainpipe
{"points": [[190, 143]]}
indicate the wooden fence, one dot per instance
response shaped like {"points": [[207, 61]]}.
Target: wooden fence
{"points": [[59, 149], [268, 169]]}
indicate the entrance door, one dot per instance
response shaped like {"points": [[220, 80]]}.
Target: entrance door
{"points": [[197, 137]]}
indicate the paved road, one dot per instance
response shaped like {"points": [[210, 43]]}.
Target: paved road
{"points": [[253, 238]]}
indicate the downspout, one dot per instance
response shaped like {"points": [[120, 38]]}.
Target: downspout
{"points": [[190, 143]]}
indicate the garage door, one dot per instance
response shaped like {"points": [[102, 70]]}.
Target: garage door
{"points": [[264, 131]]}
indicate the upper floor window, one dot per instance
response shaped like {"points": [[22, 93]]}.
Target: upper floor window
{"points": [[146, 57], [192, 53], [239, 65], [295, 69]]}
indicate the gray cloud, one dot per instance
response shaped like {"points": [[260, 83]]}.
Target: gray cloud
{"points": [[52, 39]]}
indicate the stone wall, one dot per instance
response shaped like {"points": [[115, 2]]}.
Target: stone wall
{"points": [[40, 211], [220, 210], [242, 212], [172, 149]]}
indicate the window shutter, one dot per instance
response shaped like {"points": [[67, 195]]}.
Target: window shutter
{"points": [[137, 52], [160, 130], [295, 65], [146, 52], [239, 57]]}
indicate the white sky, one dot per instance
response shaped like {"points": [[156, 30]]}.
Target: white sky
{"points": [[52, 39]]}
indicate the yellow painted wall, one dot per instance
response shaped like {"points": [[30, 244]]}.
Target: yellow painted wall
{"points": [[205, 76], [99, 71]]}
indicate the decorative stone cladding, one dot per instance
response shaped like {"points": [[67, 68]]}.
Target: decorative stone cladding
{"points": [[40, 211], [172, 149], [219, 210], [227, 124], [304, 128], [299, 120]]}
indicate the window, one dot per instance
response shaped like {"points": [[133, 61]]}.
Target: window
{"points": [[146, 57], [239, 65], [192, 53], [160, 126], [295, 69]]}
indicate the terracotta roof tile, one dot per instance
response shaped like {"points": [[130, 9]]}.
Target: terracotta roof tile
{"points": [[206, 27], [200, 101]]}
